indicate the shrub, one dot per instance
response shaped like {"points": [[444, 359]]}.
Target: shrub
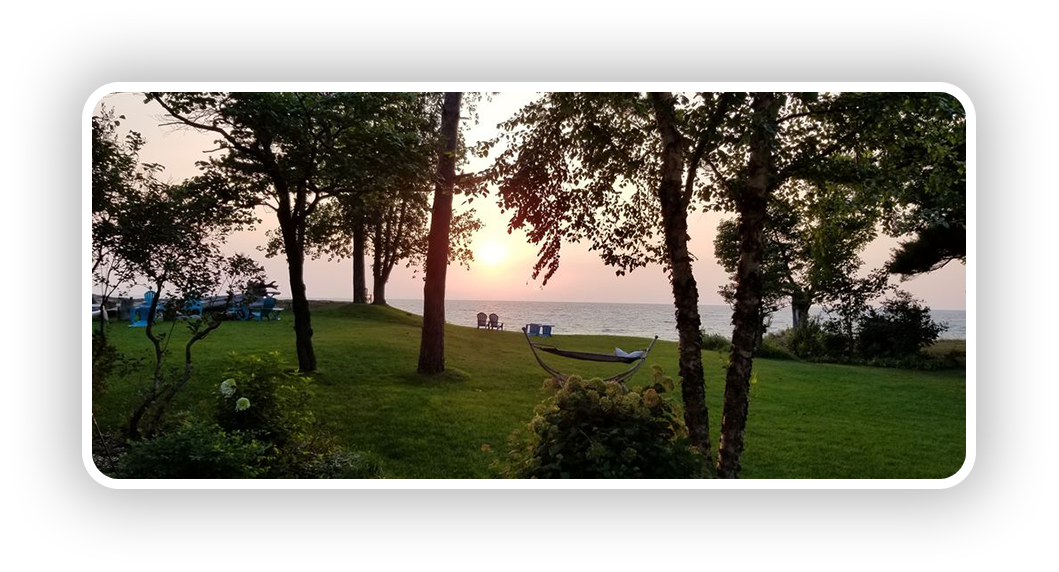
{"points": [[715, 342], [265, 397], [817, 340], [315, 455], [772, 349], [836, 341], [333, 462], [596, 429], [105, 358], [195, 450], [901, 328], [107, 362], [804, 341], [893, 335]]}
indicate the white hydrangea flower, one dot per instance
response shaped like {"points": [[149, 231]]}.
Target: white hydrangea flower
{"points": [[242, 404], [228, 387]]}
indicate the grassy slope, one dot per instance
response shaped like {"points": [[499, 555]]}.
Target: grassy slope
{"points": [[806, 420]]}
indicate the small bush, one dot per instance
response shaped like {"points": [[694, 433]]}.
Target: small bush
{"points": [[715, 342], [337, 463], [814, 340], [195, 450], [772, 349], [107, 362], [105, 358], [596, 429], [265, 397], [315, 455]]}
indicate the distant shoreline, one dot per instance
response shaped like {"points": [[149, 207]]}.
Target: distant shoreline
{"points": [[420, 300], [606, 319]]}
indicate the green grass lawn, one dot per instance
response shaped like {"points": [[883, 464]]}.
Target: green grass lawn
{"points": [[806, 420]]}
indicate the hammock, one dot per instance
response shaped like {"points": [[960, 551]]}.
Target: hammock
{"points": [[588, 356]]}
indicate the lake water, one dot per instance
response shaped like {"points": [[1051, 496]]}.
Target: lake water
{"points": [[640, 320]]}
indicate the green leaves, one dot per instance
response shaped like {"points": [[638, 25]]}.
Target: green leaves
{"points": [[597, 429]]}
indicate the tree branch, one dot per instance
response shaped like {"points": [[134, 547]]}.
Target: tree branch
{"points": [[707, 143]]}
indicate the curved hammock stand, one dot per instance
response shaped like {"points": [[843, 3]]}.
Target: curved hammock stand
{"points": [[586, 356]]}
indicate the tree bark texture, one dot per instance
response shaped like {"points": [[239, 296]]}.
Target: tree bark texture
{"points": [[432, 343], [746, 318], [685, 290]]}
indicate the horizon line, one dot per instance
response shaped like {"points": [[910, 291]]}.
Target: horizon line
{"points": [[350, 300]]}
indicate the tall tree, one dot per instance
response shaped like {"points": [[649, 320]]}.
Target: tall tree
{"points": [[291, 152], [812, 242], [397, 223], [621, 171], [674, 205], [751, 203], [824, 138], [432, 342], [386, 211], [400, 233]]}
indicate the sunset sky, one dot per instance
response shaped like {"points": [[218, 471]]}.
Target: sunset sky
{"points": [[503, 262]]}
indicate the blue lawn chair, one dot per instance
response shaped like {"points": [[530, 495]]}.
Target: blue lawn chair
{"points": [[239, 312], [266, 310], [546, 330], [193, 308], [534, 329], [139, 313]]}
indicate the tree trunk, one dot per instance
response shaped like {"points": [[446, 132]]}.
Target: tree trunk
{"points": [[685, 290], [303, 328], [103, 321], [746, 318], [432, 343], [378, 296], [360, 283], [133, 430], [759, 339], [166, 397], [800, 310], [378, 270]]}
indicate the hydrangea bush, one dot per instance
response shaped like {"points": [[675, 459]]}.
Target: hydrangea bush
{"points": [[597, 429]]}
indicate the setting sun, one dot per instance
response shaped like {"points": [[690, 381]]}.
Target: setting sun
{"points": [[491, 253]]}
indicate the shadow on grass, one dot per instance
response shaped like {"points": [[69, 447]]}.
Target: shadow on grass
{"points": [[451, 376]]}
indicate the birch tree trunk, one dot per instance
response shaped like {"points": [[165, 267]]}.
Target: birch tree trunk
{"points": [[685, 290], [751, 203]]}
